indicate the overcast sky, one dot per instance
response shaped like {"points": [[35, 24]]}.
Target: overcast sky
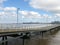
{"points": [[29, 11]]}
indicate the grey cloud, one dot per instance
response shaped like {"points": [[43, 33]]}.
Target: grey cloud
{"points": [[52, 6]]}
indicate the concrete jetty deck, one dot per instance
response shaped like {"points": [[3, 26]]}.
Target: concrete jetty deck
{"points": [[35, 28], [26, 29]]}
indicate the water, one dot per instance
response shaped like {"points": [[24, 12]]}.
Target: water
{"points": [[48, 39]]}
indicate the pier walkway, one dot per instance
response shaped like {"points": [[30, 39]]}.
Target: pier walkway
{"points": [[25, 32], [15, 30]]}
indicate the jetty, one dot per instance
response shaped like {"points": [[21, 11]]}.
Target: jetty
{"points": [[25, 32]]}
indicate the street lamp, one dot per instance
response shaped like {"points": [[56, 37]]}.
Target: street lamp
{"points": [[17, 14]]}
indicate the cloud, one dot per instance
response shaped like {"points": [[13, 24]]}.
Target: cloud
{"points": [[1, 4], [1, 1], [57, 15], [47, 16], [2, 13], [10, 13], [1, 8], [10, 9], [30, 14], [24, 12], [47, 5], [35, 15]]}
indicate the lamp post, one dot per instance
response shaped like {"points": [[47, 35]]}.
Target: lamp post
{"points": [[17, 14]]}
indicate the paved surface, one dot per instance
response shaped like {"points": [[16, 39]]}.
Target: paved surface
{"points": [[17, 30]]}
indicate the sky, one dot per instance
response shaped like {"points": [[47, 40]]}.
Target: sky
{"points": [[29, 11]]}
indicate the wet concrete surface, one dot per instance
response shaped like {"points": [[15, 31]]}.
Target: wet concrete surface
{"points": [[47, 39]]}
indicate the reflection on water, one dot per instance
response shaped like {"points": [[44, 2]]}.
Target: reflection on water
{"points": [[48, 39]]}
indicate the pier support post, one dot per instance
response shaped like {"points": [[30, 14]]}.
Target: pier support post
{"points": [[26, 36], [6, 43], [50, 31], [23, 42], [41, 33], [3, 39]]}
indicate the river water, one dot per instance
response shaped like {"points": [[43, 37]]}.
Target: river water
{"points": [[47, 39]]}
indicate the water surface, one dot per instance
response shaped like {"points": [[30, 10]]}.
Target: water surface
{"points": [[47, 39]]}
